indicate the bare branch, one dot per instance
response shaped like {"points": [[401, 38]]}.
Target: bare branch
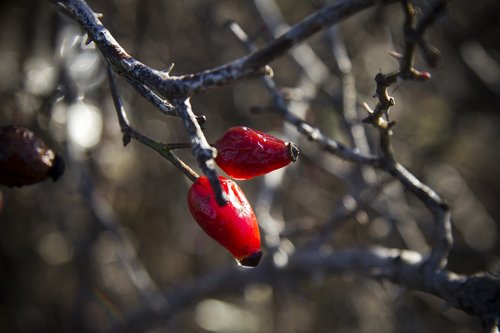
{"points": [[477, 295], [444, 239], [188, 85]]}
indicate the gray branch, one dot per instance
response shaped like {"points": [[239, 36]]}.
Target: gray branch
{"points": [[478, 295], [190, 84]]}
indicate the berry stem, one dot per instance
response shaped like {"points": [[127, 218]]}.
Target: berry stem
{"points": [[129, 133], [180, 145], [203, 152]]}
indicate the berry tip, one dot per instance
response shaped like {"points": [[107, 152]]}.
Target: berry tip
{"points": [[293, 151], [251, 260]]}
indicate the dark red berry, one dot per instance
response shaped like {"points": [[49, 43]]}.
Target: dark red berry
{"points": [[234, 226], [25, 159], [245, 153]]}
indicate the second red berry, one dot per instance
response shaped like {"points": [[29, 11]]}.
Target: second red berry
{"points": [[245, 153]]}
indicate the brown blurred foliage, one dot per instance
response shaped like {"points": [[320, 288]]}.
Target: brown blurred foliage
{"points": [[66, 247]]}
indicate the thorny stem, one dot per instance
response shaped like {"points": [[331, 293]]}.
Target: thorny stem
{"points": [[385, 102], [130, 133], [201, 149], [160, 103], [431, 199], [190, 84], [413, 33]]}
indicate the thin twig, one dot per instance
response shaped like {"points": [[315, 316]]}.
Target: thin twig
{"points": [[444, 239], [440, 210], [313, 68], [321, 19], [203, 152], [161, 104], [414, 31], [409, 27], [130, 133], [314, 134], [344, 212], [351, 114]]}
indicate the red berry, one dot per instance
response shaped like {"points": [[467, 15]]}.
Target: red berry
{"points": [[234, 226], [25, 159], [245, 153]]}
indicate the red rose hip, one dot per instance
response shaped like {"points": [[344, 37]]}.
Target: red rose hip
{"points": [[234, 226], [245, 153]]}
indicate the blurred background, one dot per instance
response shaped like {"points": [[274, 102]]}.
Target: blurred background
{"points": [[104, 247]]}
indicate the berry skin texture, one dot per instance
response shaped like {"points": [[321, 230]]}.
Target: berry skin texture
{"points": [[244, 153], [234, 226], [25, 159]]}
